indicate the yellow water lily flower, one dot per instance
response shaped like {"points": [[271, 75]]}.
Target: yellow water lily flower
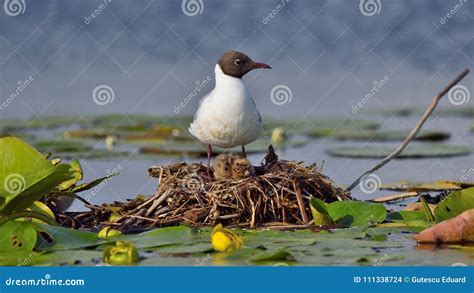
{"points": [[224, 240]]}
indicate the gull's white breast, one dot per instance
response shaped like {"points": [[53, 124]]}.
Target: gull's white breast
{"points": [[227, 116]]}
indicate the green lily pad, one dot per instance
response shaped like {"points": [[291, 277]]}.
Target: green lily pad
{"points": [[356, 213], [379, 135], [454, 204], [68, 239], [194, 149], [61, 146], [137, 122], [26, 175], [318, 125], [419, 151], [17, 236], [272, 256], [38, 122], [320, 212], [465, 111]]}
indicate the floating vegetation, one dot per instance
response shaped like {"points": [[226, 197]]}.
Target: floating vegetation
{"points": [[465, 111], [194, 149], [419, 151], [380, 135], [439, 185], [319, 125]]}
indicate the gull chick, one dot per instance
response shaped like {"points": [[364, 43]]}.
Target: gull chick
{"points": [[223, 165], [227, 116], [242, 168]]}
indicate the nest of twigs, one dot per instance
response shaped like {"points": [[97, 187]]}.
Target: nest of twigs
{"points": [[279, 194]]}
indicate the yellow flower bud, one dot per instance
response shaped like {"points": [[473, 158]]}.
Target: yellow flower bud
{"points": [[107, 232], [123, 253], [224, 240]]}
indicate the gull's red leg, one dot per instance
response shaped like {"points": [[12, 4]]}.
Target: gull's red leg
{"points": [[209, 154], [244, 154]]}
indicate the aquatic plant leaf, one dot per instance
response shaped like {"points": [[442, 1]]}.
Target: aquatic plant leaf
{"points": [[408, 186], [272, 256], [77, 175], [67, 239], [417, 151], [61, 146], [320, 212], [194, 149], [321, 126], [426, 209], [379, 135], [41, 208], [454, 204], [17, 236], [356, 213], [26, 175]]}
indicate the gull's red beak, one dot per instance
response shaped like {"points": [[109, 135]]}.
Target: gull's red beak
{"points": [[262, 65]]}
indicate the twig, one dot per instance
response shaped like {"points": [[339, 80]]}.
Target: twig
{"points": [[394, 197], [301, 205], [414, 132]]}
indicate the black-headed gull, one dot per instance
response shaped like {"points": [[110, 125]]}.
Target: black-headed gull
{"points": [[227, 116]]}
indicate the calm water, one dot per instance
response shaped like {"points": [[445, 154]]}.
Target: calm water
{"points": [[327, 52]]}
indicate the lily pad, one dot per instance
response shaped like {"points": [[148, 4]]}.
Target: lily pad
{"points": [[356, 213], [38, 122], [465, 111], [61, 146], [194, 149], [17, 236], [454, 204], [319, 125], [408, 186], [26, 175], [418, 151], [379, 135]]}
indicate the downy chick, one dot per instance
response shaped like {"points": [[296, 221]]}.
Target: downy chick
{"points": [[242, 168]]}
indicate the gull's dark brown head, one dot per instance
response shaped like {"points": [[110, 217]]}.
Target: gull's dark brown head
{"points": [[237, 64]]}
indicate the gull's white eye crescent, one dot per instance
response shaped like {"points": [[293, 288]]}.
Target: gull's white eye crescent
{"points": [[237, 62]]}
